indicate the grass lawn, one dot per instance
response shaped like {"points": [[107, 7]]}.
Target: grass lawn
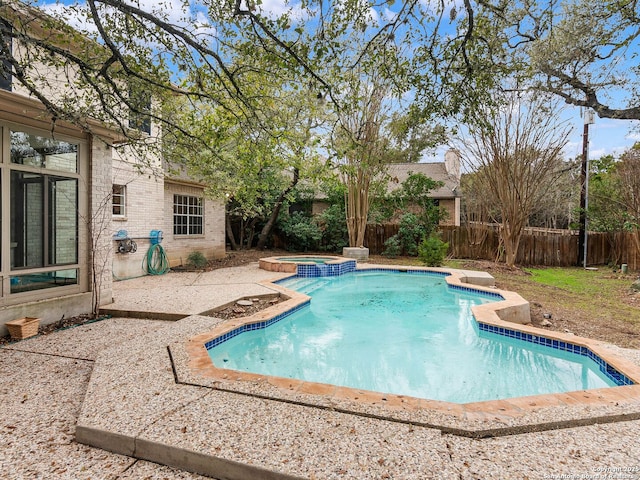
{"points": [[592, 303]]}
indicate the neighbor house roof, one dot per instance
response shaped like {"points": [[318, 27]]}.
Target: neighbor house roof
{"points": [[399, 172]]}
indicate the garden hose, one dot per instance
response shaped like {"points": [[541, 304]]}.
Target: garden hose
{"points": [[157, 263]]}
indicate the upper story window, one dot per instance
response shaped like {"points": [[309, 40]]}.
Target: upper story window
{"points": [[139, 114], [5, 50], [187, 215], [119, 200]]}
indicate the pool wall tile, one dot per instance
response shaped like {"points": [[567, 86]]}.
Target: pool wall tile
{"points": [[326, 269], [608, 370]]}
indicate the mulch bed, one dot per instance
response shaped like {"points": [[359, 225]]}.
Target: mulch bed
{"points": [[238, 311]]}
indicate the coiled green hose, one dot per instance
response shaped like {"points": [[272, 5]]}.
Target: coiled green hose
{"points": [[157, 263]]}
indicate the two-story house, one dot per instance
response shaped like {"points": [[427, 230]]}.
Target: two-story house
{"points": [[68, 195]]}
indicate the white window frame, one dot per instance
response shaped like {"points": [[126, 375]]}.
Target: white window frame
{"points": [[122, 203], [183, 208]]}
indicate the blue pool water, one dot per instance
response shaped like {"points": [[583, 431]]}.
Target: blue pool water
{"points": [[404, 334]]}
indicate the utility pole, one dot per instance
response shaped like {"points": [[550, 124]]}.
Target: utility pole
{"points": [[584, 190]]}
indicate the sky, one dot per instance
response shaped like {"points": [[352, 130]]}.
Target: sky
{"points": [[606, 136]]}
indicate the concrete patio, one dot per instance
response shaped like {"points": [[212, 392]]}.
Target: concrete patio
{"points": [[123, 382]]}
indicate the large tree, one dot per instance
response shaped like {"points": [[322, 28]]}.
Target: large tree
{"points": [[629, 175], [167, 48], [360, 148], [584, 51], [514, 156], [614, 198], [253, 163]]}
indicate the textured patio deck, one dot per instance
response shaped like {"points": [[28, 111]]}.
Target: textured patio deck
{"points": [[143, 401]]}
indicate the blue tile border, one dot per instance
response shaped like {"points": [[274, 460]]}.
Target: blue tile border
{"points": [[606, 368], [476, 291], [248, 327], [325, 269], [435, 274]]}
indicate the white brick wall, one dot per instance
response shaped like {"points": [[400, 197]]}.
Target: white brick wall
{"points": [[100, 218], [144, 210], [149, 206], [211, 244]]}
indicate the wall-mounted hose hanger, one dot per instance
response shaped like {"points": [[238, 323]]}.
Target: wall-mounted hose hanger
{"points": [[124, 243], [157, 263], [155, 237]]}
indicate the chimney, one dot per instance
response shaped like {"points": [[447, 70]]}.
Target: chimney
{"points": [[452, 162]]}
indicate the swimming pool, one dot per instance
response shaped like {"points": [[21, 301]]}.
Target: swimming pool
{"points": [[406, 334]]}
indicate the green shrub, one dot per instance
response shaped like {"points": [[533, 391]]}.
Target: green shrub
{"points": [[432, 251], [410, 233], [392, 247], [333, 227], [301, 232], [197, 260]]}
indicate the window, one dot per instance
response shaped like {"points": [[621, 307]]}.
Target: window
{"points": [[187, 215], [140, 108], [42, 152], [43, 218], [40, 281], [118, 198], [5, 71]]}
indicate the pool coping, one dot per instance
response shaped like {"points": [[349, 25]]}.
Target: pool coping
{"points": [[511, 313]]}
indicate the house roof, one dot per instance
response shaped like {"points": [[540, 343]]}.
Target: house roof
{"points": [[399, 172]]}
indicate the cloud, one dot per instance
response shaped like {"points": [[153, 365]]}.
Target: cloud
{"points": [[635, 136], [172, 11], [389, 15], [75, 15], [192, 18], [597, 153], [615, 151], [276, 8]]}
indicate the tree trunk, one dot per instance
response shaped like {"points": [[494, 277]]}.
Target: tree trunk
{"points": [[241, 235], [357, 207], [252, 232], [268, 227], [511, 237], [230, 235]]}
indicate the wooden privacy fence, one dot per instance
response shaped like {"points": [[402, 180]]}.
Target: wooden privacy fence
{"points": [[537, 246]]}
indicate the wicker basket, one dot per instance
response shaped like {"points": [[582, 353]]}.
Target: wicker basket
{"points": [[23, 327]]}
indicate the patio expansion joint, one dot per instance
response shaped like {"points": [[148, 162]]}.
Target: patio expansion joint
{"points": [[13, 349], [207, 392], [181, 406]]}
